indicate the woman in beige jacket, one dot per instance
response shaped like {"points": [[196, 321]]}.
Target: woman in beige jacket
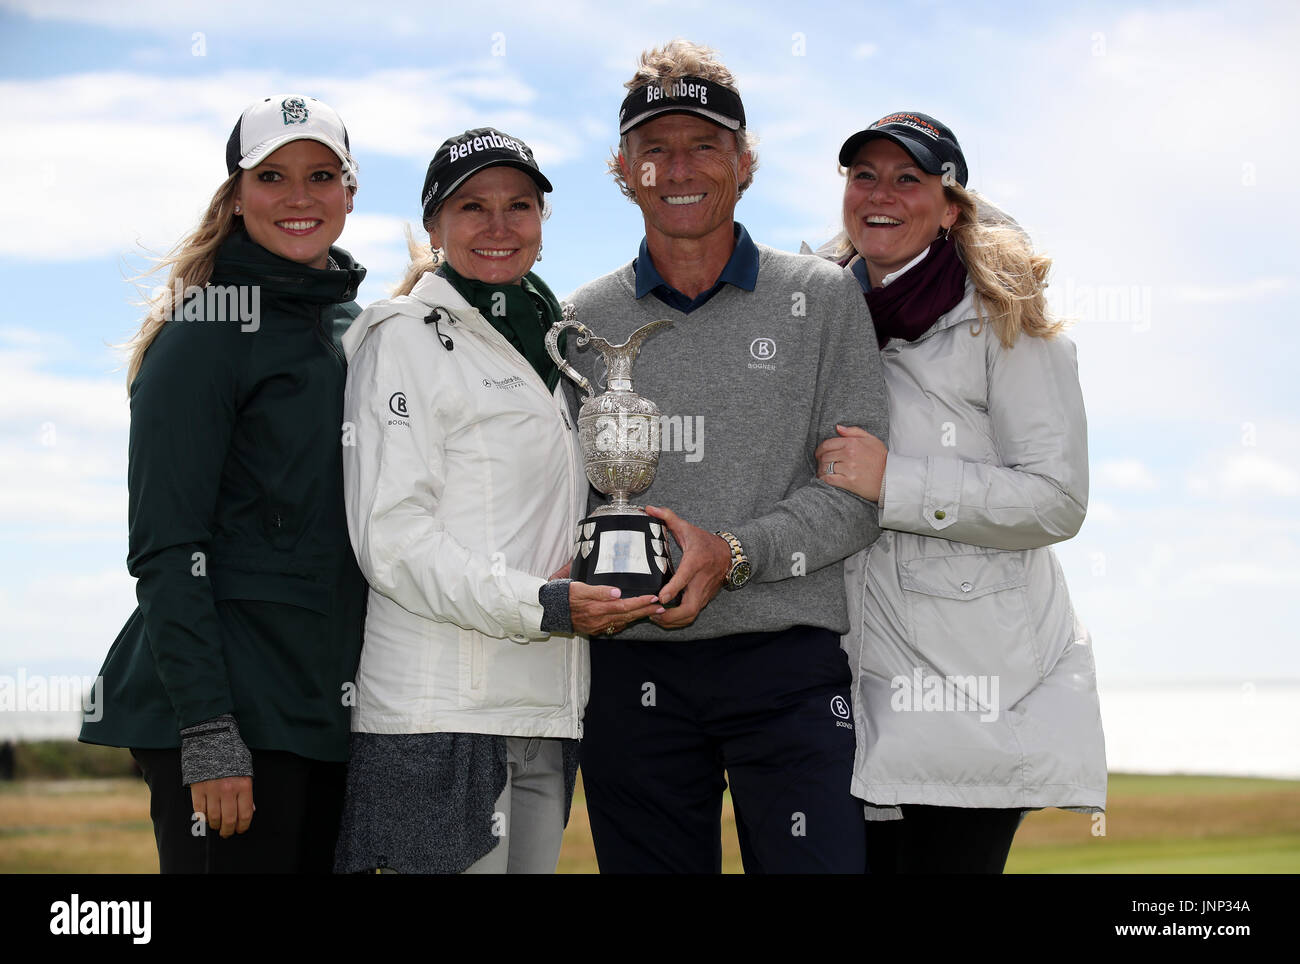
{"points": [[974, 687]]}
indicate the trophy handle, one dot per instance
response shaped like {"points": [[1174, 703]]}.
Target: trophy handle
{"points": [[553, 349]]}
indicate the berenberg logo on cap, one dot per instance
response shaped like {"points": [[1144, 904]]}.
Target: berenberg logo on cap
{"points": [[909, 120], [681, 90], [294, 110], [484, 143]]}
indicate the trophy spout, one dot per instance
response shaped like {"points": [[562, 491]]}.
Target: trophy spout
{"points": [[620, 358]]}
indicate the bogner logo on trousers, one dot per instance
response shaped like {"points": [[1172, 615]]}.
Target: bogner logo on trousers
{"points": [[840, 710]]}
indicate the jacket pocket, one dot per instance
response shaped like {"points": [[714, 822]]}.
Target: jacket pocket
{"points": [[470, 663], [502, 674], [969, 616]]}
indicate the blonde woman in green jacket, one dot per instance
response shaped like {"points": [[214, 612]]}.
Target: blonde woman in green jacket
{"points": [[230, 682]]}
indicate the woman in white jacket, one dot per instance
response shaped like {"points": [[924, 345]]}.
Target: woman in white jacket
{"points": [[974, 683], [464, 486]]}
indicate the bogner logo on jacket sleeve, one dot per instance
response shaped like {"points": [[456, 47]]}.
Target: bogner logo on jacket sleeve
{"points": [[397, 405]]}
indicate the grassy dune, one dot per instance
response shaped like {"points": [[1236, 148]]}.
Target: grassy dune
{"points": [[1172, 824]]}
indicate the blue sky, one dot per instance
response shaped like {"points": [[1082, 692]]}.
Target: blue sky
{"points": [[1148, 148]]}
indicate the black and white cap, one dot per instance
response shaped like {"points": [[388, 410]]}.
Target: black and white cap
{"points": [[464, 155], [928, 142], [687, 95], [275, 121]]}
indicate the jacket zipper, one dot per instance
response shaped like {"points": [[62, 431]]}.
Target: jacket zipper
{"points": [[329, 342]]}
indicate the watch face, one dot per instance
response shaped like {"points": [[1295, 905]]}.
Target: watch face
{"points": [[740, 574]]}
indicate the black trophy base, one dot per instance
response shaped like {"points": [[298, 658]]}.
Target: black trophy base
{"points": [[628, 551]]}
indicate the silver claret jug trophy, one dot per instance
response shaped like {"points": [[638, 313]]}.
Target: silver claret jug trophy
{"points": [[618, 544]]}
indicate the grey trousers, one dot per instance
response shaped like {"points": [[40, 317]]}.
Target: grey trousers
{"points": [[529, 817]]}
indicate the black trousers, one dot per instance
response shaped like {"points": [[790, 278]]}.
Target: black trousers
{"points": [[667, 718], [942, 840], [295, 824]]}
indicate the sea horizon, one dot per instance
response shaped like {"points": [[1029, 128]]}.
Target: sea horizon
{"points": [[1211, 728]]}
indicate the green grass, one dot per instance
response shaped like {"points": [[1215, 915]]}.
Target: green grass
{"points": [[1154, 824], [1278, 854], [1170, 825]]}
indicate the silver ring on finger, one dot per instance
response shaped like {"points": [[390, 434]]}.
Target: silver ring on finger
{"points": [[830, 467]]}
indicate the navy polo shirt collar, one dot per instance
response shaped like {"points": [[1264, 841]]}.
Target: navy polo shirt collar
{"points": [[741, 271]]}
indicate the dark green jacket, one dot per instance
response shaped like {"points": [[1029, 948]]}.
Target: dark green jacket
{"points": [[250, 600]]}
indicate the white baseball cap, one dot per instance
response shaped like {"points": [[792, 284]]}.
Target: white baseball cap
{"points": [[275, 121]]}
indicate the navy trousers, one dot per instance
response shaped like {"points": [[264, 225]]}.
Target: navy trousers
{"points": [[667, 718]]}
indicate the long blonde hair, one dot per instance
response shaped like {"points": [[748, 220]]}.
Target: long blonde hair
{"points": [[423, 258], [190, 263], [1009, 277]]}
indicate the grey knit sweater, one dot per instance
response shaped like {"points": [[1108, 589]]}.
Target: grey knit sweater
{"points": [[748, 384]]}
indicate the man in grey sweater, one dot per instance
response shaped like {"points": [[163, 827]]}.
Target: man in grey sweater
{"points": [[768, 353]]}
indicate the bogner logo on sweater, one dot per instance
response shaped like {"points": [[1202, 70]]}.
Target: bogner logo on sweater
{"points": [[762, 350]]}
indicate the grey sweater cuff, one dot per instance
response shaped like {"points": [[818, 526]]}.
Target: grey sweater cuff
{"points": [[212, 750], [554, 597]]}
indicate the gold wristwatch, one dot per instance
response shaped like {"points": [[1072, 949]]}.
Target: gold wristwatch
{"points": [[740, 570]]}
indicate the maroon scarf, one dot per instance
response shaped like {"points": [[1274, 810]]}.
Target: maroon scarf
{"points": [[907, 306]]}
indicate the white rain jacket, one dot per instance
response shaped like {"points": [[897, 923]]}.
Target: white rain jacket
{"points": [[463, 485], [974, 683]]}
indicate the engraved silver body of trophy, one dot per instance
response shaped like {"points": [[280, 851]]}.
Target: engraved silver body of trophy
{"points": [[618, 544]]}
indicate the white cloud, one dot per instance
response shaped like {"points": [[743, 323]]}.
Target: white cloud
{"points": [[137, 198], [63, 443], [1128, 474], [1101, 512], [1251, 473], [64, 616], [1241, 573], [1266, 463], [1231, 294]]}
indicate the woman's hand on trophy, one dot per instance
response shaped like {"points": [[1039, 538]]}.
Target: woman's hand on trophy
{"points": [[601, 610], [853, 460], [705, 562]]}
